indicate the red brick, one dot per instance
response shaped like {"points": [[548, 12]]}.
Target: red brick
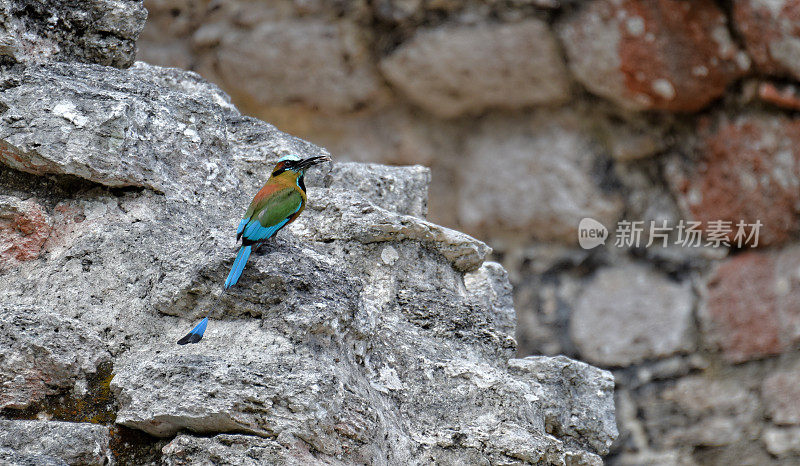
{"points": [[752, 308], [770, 33], [684, 40], [786, 96], [748, 170], [665, 54]]}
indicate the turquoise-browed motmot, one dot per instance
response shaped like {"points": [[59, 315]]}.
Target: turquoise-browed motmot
{"points": [[279, 202]]}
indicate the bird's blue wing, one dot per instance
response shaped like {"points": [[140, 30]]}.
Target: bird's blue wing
{"points": [[254, 231]]}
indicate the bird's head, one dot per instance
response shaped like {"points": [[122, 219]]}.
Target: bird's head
{"points": [[297, 165]]}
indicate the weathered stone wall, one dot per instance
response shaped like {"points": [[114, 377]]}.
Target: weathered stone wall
{"points": [[536, 113], [362, 334]]}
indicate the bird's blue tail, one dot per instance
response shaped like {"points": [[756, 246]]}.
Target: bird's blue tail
{"points": [[196, 334], [238, 266]]}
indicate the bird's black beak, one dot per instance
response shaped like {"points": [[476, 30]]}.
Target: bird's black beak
{"points": [[305, 163]]}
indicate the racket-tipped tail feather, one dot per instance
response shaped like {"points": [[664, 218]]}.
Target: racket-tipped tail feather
{"points": [[196, 334]]}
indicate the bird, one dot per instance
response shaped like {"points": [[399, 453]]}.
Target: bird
{"points": [[278, 203]]}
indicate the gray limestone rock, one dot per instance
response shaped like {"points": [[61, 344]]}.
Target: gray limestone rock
{"points": [[780, 391], [86, 31], [401, 189], [491, 284], [112, 128], [628, 314], [701, 410], [782, 441], [552, 378], [42, 353], [240, 450], [361, 333], [343, 215], [269, 57], [52, 442], [591, 390], [543, 178], [453, 70]]}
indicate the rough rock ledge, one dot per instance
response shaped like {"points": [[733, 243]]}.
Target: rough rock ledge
{"points": [[362, 334]]}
